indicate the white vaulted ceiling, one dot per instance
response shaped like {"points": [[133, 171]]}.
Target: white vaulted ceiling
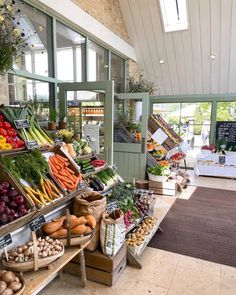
{"points": [[187, 68]]}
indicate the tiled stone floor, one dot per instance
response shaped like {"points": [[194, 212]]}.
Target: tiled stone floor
{"points": [[163, 273]]}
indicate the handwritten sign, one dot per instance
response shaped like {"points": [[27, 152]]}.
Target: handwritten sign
{"points": [[5, 241], [221, 159], [58, 141], [37, 223], [21, 124], [31, 144], [112, 206]]}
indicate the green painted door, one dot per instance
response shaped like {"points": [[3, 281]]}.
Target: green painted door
{"points": [[130, 134], [92, 102]]}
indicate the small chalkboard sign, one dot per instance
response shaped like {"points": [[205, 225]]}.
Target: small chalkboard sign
{"points": [[112, 206], [21, 124], [37, 223], [5, 241], [221, 159], [58, 141], [31, 144]]}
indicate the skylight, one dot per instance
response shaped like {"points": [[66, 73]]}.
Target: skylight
{"points": [[174, 15]]}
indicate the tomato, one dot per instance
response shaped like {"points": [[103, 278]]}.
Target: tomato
{"points": [[20, 142], [15, 145], [9, 139], [6, 125], [11, 132], [3, 132]]}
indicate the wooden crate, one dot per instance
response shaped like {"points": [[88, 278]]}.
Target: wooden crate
{"points": [[98, 275], [141, 184], [168, 188], [100, 268]]}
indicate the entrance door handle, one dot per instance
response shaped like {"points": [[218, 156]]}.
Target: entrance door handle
{"points": [[143, 144]]}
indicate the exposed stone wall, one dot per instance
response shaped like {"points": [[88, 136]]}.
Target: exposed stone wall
{"points": [[108, 13]]}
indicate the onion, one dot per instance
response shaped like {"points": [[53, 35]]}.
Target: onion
{"points": [[12, 193], [4, 198], [5, 184], [3, 219], [19, 200], [12, 204]]}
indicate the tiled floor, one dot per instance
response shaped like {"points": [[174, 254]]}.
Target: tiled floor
{"points": [[163, 273]]}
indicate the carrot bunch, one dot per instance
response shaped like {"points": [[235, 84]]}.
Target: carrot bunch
{"points": [[64, 175], [44, 193]]}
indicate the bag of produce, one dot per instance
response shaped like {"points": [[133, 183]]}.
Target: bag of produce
{"points": [[93, 204], [112, 232]]}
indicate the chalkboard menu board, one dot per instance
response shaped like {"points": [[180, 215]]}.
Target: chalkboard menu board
{"points": [[226, 130]]}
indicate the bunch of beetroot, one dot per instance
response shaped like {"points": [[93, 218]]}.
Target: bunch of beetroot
{"points": [[12, 204]]}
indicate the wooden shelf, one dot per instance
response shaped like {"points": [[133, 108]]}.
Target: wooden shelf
{"points": [[36, 281]]}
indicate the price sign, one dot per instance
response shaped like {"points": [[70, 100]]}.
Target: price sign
{"points": [[5, 241], [37, 223], [31, 144], [21, 124], [58, 141], [112, 206], [221, 159]]}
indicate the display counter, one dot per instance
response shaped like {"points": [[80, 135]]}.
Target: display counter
{"points": [[215, 165]]}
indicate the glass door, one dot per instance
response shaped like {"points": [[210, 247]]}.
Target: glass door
{"points": [[89, 107], [130, 132]]}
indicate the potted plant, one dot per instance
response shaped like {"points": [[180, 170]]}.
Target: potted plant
{"points": [[52, 124], [160, 172]]}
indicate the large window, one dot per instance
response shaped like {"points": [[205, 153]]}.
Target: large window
{"points": [[118, 72], [97, 62], [226, 111], [37, 55], [33, 93], [70, 54]]}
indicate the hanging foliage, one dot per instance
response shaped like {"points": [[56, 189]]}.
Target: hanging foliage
{"points": [[12, 39], [142, 85]]}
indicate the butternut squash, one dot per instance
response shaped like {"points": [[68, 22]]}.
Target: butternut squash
{"points": [[71, 150], [79, 229], [88, 230], [52, 227], [61, 233], [91, 221]]}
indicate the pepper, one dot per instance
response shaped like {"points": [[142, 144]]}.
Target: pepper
{"points": [[11, 132], [3, 132], [7, 146], [2, 139], [6, 125]]}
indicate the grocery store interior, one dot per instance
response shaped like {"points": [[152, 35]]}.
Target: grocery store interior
{"points": [[117, 147]]}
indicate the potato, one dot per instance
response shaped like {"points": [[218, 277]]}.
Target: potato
{"points": [[7, 292], [8, 277], [15, 286], [3, 286]]}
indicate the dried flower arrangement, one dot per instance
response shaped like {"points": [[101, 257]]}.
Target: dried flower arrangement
{"points": [[141, 86], [12, 39]]}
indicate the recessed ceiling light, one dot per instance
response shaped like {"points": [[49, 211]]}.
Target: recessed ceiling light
{"points": [[212, 56], [161, 61]]}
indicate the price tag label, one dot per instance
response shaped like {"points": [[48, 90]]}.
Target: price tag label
{"points": [[37, 223], [5, 241], [221, 159], [21, 124], [31, 144], [112, 206], [58, 141]]}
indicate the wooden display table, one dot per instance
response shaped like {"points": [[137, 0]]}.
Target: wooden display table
{"points": [[36, 281]]}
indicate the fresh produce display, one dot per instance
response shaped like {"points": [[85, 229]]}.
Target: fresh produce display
{"points": [[123, 194], [70, 149], [96, 184], [66, 135], [82, 147], [85, 165], [46, 247], [64, 175], [159, 170], [143, 230], [34, 132], [210, 147], [33, 168], [98, 163], [158, 154], [177, 157], [8, 136], [57, 228], [10, 283], [143, 202], [12, 204]]}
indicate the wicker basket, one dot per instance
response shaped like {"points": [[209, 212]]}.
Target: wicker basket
{"points": [[32, 264]]}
